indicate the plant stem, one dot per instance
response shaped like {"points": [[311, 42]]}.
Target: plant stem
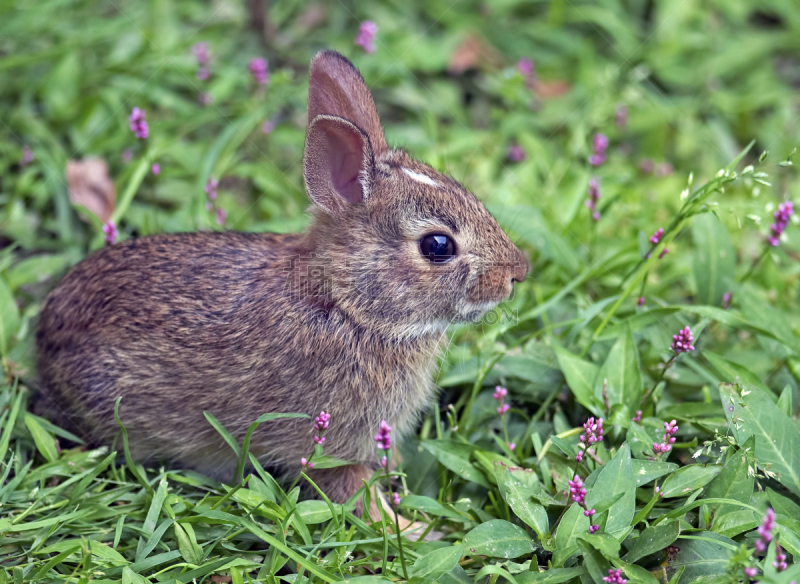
{"points": [[396, 522], [754, 265], [647, 394]]}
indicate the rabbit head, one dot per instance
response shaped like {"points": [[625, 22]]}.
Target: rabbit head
{"points": [[409, 250]]}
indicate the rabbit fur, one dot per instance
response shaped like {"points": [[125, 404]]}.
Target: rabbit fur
{"points": [[347, 317]]}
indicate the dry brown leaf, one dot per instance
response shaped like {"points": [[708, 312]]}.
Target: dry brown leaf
{"points": [[473, 52], [220, 579], [551, 89], [90, 186]]}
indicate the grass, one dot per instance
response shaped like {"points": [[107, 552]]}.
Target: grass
{"points": [[708, 88]]}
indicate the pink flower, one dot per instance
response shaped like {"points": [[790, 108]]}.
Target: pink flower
{"points": [[638, 417], [384, 462], [396, 499], [594, 196], [211, 188], [258, 68], [499, 394], [726, 300], [640, 301], [526, 67], [267, 127], [366, 36], [670, 429], [138, 123], [156, 168], [516, 153], [222, 214], [27, 156], [663, 169], [782, 216], [751, 572], [656, 237], [621, 115], [203, 73], [682, 342], [127, 155], [511, 445], [383, 438], [614, 576], [664, 252], [110, 229], [200, 51], [765, 531], [599, 145], [305, 463], [646, 166]]}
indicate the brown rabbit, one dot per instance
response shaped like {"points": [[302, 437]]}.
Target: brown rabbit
{"points": [[348, 317]]}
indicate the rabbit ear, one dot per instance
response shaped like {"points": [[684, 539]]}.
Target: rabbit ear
{"points": [[336, 88], [338, 164]]}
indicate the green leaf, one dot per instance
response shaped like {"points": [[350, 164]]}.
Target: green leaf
{"points": [[593, 561], [551, 576], [573, 524], [622, 374], [777, 437], [714, 259], [191, 552], [313, 511], [614, 478], [455, 576], [149, 525], [653, 539], [519, 497], [645, 471], [9, 318], [498, 539], [709, 555], [436, 563], [734, 482], [45, 442], [431, 507], [455, 457], [689, 478], [580, 376], [603, 543]]}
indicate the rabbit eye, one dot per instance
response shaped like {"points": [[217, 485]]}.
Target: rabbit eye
{"points": [[437, 248]]}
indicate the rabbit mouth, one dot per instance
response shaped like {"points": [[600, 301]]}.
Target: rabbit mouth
{"points": [[474, 311]]}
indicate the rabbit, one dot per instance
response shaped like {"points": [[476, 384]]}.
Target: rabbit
{"points": [[348, 317]]}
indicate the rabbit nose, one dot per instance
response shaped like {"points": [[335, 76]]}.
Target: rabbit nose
{"points": [[519, 267]]}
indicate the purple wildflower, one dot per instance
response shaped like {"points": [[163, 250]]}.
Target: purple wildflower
{"points": [[366, 36], [682, 342], [527, 68], [321, 423], [305, 463], [511, 445], [156, 168], [614, 576], [384, 462], [621, 115], [594, 196], [27, 156], [516, 153], [499, 394], [656, 237], [640, 301], [138, 123], [211, 188], [267, 127], [593, 432], [203, 73], [599, 145], [258, 68], [663, 169], [726, 300], [664, 252], [384, 436], [780, 559], [782, 216], [765, 531], [668, 439], [110, 229], [200, 51], [751, 572], [222, 214], [578, 494], [646, 166], [638, 417], [396, 499]]}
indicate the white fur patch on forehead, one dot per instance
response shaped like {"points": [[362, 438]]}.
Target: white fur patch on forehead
{"points": [[420, 177]]}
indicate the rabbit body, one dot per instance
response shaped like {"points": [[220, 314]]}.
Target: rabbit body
{"points": [[348, 317]]}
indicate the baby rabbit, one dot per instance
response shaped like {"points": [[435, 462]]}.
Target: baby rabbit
{"points": [[347, 317]]}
